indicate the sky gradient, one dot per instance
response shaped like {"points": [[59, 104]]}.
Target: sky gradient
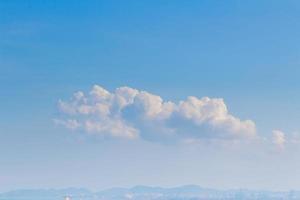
{"points": [[246, 53]]}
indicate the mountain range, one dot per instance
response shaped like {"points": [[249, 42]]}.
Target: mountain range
{"points": [[187, 192]]}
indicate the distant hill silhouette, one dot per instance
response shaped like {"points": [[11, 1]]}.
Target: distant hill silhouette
{"points": [[187, 192]]}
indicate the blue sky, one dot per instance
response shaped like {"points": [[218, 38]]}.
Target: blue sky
{"points": [[244, 52]]}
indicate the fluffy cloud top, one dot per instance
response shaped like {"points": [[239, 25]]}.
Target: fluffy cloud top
{"points": [[130, 113]]}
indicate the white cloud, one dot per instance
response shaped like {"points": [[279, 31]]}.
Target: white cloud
{"points": [[69, 123], [214, 113], [278, 138], [153, 106], [130, 113], [115, 128]]}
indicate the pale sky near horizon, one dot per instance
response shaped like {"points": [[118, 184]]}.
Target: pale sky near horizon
{"points": [[136, 63]]}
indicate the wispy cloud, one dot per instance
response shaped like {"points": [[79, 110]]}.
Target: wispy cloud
{"points": [[278, 138]]}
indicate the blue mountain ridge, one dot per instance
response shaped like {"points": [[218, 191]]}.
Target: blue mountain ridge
{"points": [[140, 192]]}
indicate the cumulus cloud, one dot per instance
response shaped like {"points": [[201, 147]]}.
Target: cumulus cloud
{"points": [[131, 113], [278, 138]]}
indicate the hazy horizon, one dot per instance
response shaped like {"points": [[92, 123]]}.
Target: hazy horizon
{"points": [[95, 190], [146, 192]]}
